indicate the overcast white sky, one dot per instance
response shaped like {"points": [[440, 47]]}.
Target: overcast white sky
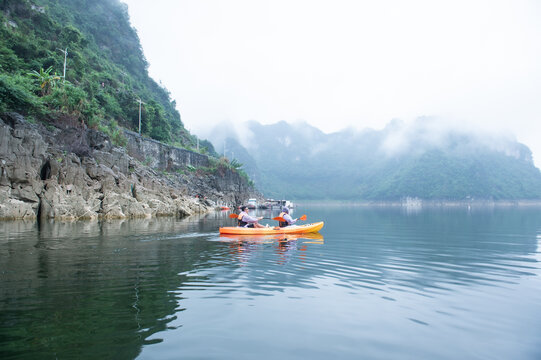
{"points": [[346, 63]]}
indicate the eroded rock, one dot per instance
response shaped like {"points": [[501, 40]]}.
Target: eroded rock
{"points": [[74, 173]]}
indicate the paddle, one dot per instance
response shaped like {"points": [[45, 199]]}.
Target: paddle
{"points": [[234, 216], [279, 218]]}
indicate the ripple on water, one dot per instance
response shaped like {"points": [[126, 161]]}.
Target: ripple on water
{"points": [[377, 284]]}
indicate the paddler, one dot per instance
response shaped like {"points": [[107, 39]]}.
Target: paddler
{"points": [[288, 219], [245, 220]]}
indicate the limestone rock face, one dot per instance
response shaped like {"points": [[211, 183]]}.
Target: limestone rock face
{"points": [[66, 202], [12, 209], [67, 173]]}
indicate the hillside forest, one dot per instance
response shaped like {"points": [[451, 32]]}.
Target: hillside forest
{"points": [[106, 74]]}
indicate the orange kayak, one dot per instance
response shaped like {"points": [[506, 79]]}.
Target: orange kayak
{"points": [[293, 229], [273, 237]]}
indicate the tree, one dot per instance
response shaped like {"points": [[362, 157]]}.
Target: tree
{"points": [[46, 81]]}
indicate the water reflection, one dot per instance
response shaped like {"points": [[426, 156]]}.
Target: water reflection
{"points": [[109, 289], [99, 286], [433, 248], [242, 247]]}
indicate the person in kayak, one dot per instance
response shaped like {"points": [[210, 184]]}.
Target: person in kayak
{"points": [[245, 220], [288, 219]]}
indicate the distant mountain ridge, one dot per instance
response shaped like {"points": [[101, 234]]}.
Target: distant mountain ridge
{"points": [[424, 159]]}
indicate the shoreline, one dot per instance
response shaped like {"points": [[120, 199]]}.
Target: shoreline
{"points": [[419, 203]]}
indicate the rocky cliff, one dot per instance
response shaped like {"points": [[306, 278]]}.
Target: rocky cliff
{"points": [[63, 171]]}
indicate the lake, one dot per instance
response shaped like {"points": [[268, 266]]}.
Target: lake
{"points": [[375, 283]]}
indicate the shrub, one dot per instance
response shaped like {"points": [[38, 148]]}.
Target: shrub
{"points": [[16, 94], [67, 98], [115, 133], [74, 101]]}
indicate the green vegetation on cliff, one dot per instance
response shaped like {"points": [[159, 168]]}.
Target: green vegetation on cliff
{"points": [[106, 72]]}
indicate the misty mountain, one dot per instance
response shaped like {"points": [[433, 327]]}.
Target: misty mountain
{"points": [[424, 159]]}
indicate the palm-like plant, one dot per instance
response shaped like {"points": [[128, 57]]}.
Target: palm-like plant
{"points": [[236, 164], [47, 81]]}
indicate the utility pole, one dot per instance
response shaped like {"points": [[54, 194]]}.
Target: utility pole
{"points": [[123, 75], [65, 60], [140, 102]]}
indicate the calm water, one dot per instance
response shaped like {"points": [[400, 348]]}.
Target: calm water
{"points": [[375, 284]]}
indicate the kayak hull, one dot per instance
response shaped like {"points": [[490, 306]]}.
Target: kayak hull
{"points": [[273, 237], [293, 229], [312, 238]]}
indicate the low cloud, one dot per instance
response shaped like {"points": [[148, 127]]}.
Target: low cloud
{"points": [[426, 133]]}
